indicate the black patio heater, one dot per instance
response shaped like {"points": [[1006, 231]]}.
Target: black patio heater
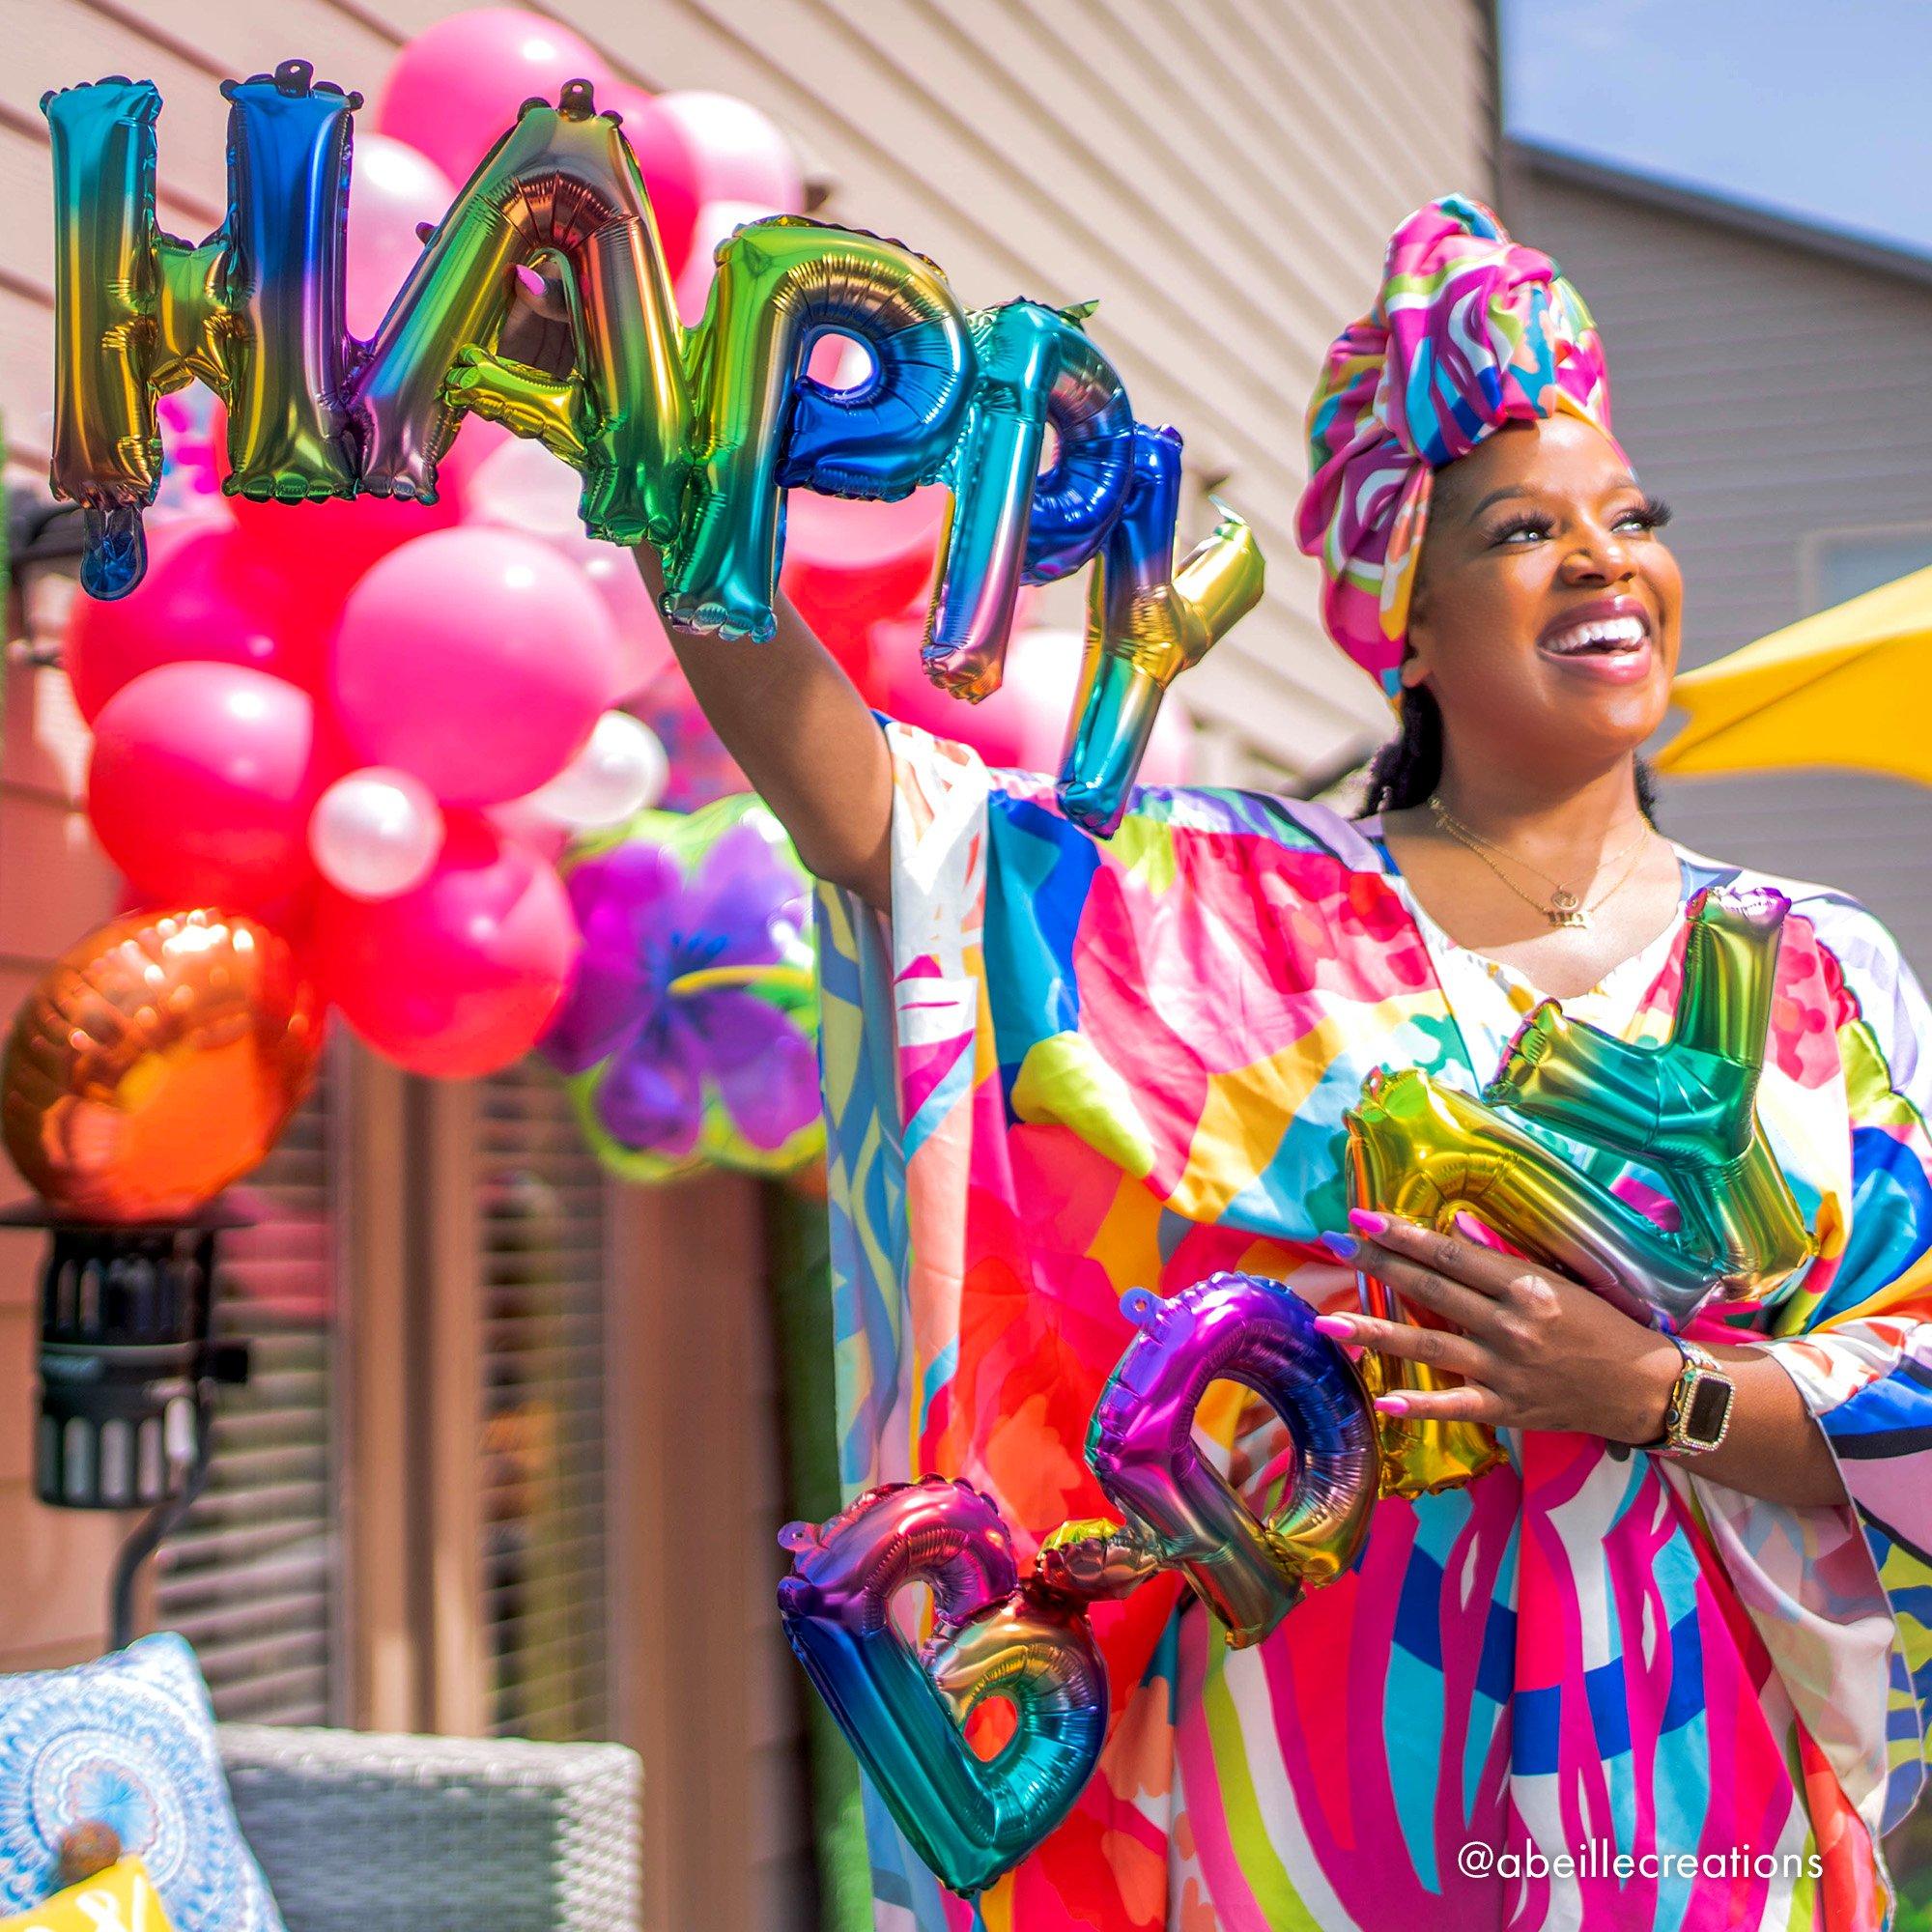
{"points": [[129, 1368]]}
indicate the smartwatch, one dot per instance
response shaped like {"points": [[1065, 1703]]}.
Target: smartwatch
{"points": [[1699, 1410]]}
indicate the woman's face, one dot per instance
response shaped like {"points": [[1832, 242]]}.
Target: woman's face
{"points": [[1544, 619]]}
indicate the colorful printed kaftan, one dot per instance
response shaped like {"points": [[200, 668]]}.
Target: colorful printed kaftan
{"points": [[1071, 1067]]}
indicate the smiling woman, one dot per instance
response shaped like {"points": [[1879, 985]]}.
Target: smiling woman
{"points": [[1654, 1665]]}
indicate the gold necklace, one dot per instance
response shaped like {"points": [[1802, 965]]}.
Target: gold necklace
{"points": [[1563, 908]]}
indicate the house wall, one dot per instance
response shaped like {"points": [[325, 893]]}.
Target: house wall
{"points": [[1769, 393]]}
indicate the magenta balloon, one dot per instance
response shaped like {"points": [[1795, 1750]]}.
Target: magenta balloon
{"points": [[456, 86], [459, 977], [477, 659], [207, 597], [993, 728], [202, 781], [396, 186], [742, 154]]}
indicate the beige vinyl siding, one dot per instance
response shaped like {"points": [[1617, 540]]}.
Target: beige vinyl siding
{"points": [[1770, 391]]}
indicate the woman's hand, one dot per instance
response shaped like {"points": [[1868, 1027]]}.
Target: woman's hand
{"points": [[1535, 1350]]}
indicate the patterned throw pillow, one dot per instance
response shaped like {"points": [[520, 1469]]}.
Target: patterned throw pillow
{"points": [[129, 1742]]}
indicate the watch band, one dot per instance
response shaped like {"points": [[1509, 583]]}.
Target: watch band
{"points": [[1699, 1414]]}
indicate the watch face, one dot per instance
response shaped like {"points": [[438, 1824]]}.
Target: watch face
{"points": [[1705, 1413]]}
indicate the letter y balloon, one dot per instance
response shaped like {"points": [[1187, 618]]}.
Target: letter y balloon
{"points": [[688, 440]]}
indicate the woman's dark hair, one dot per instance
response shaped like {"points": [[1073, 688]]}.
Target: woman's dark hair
{"points": [[1410, 766]]}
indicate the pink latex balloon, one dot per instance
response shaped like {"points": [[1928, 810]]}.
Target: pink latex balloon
{"points": [[477, 659], [207, 597], [321, 548], [992, 728], [669, 164], [454, 90], [201, 785], [742, 154], [395, 187], [713, 222], [523, 487], [459, 977]]}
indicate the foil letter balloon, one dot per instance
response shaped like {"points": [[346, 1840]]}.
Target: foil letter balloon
{"points": [[562, 184], [763, 425], [254, 311], [156, 1062], [1241, 1329], [106, 444], [902, 1710], [1423, 1149], [1010, 524], [1688, 1107], [1147, 623]]}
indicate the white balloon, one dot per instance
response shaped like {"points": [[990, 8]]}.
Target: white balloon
{"points": [[620, 771], [716, 220], [375, 834], [523, 487]]}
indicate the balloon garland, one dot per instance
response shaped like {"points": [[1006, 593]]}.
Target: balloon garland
{"points": [[688, 440], [1685, 1107]]}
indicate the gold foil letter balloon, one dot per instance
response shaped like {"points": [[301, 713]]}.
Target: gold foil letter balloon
{"points": [[156, 1062]]}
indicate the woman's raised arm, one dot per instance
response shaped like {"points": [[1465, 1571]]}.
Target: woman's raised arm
{"points": [[805, 738]]}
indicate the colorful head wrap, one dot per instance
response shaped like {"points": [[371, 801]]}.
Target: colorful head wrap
{"points": [[1469, 331]]}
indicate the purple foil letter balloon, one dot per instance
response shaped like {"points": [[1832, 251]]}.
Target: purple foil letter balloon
{"points": [[902, 1710], [1238, 1328]]}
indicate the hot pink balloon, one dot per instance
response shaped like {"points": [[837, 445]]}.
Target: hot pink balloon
{"points": [[396, 186], [202, 781], [477, 659], [669, 164], [742, 153], [454, 90], [207, 597], [991, 727], [459, 977], [524, 488]]}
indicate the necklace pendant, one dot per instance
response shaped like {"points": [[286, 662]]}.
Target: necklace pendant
{"points": [[1572, 915]]}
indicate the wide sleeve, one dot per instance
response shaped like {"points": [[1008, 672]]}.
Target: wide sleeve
{"points": [[1854, 1334]]}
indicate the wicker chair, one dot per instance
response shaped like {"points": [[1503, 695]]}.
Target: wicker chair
{"points": [[362, 1832]]}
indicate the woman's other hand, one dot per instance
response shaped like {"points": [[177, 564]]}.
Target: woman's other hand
{"points": [[1534, 1348]]}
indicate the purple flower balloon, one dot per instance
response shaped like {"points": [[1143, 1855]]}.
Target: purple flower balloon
{"points": [[689, 1033]]}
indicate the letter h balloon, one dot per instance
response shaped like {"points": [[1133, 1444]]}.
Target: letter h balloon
{"points": [[685, 440]]}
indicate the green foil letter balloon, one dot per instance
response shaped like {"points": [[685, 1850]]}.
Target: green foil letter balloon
{"points": [[764, 426], [1688, 1107], [562, 187], [1147, 622], [903, 1710]]}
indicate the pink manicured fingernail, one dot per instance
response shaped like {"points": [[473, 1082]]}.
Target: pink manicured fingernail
{"points": [[1392, 1404], [1367, 1220], [1334, 1325]]}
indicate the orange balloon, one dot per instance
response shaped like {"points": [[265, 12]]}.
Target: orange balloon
{"points": [[156, 1062]]}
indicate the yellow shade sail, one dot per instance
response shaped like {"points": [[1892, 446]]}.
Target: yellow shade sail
{"points": [[1852, 686]]}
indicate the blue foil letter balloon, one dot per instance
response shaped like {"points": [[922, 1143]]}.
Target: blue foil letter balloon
{"points": [[1241, 1329], [764, 426], [902, 1710], [1011, 523]]}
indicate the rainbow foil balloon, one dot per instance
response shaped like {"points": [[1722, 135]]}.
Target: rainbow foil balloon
{"points": [[904, 1708]]}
